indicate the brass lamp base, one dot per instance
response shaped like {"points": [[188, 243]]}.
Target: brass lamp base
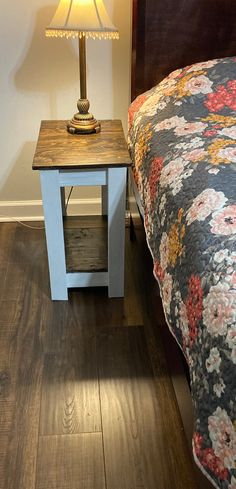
{"points": [[83, 122]]}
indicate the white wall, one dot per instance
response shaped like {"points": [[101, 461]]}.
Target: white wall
{"points": [[39, 80]]}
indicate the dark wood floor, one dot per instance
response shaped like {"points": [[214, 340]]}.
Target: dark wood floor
{"points": [[86, 397]]}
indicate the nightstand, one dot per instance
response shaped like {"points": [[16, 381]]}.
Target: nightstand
{"points": [[79, 160]]}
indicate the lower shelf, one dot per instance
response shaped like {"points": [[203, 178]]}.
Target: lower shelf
{"points": [[86, 243]]}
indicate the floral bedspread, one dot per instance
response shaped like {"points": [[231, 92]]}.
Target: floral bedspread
{"points": [[182, 140]]}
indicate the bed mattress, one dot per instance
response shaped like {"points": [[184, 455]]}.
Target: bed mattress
{"points": [[182, 141]]}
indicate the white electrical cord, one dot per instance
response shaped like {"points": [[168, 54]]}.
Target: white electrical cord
{"points": [[14, 219]]}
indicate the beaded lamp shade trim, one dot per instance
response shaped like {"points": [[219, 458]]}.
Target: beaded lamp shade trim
{"points": [[80, 34]]}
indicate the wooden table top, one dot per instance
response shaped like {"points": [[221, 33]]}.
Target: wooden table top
{"points": [[58, 149]]}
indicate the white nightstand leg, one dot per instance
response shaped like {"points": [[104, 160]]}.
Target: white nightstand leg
{"points": [[116, 230], [52, 205]]}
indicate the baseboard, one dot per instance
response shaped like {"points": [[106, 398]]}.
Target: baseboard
{"points": [[32, 210]]}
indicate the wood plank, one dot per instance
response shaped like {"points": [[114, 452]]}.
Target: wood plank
{"points": [[75, 222], [70, 393], [21, 367], [4, 440], [139, 438], [86, 249], [26, 244], [126, 311], [133, 310], [9, 323], [56, 148], [7, 232], [20, 466], [70, 462], [11, 311]]}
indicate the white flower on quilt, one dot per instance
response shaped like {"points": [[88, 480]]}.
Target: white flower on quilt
{"points": [[230, 132], [176, 187], [181, 315], [167, 292], [233, 483], [219, 309], [231, 337], [170, 123], [232, 280], [224, 221], [174, 173], [196, 154], [213, 361], [167, 85], [221, 255], [171, 172], [164, 251], [228, 153], [163, 218], [162, 105], [198, 84], [233, 355], [219, 388], [214, 171], [223, 437], [161, 210], [204, 204], [162, 203], [178, 184], [194, 143], [202, 65], [189, 128]]}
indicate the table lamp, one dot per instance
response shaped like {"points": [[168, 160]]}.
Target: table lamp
{"points": [[82, 19]]}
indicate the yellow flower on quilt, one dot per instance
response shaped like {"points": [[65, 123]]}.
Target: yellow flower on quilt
{"points": [[141, 146], [224, 120], [222, 151], [175, 238]]}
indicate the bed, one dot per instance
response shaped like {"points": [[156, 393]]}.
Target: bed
{"points": [[182, 140]]}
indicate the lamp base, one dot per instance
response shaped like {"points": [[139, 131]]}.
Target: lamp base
{"points": [[81, 125], [83, 122]]}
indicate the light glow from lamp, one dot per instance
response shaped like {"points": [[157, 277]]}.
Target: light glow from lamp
{"points": [[78, 18]]}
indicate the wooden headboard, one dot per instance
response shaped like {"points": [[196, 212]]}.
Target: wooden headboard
{"points": [[170, 34]]}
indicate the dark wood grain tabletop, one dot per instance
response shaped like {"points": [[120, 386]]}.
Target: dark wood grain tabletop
{"points": [[57, 149]]}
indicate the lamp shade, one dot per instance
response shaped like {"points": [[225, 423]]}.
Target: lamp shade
{"points": [[82, 18]]}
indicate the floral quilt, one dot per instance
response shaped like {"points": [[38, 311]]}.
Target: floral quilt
{"points": [[182, 140]]}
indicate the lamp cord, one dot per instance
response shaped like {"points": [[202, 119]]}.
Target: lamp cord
{"points": [[14, 219]]}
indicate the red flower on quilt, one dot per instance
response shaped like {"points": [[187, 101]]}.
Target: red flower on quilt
{"points": [[208, 458], [154, 175], [194, 306], [222, 97], [135, 106], [158, 271], [210, 132], [197, 442], [212, 462]]}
